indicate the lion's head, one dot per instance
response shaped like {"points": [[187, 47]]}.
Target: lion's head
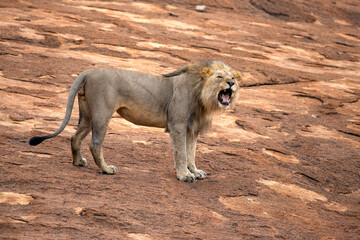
{"points": [[220, 87], [214, 87]]}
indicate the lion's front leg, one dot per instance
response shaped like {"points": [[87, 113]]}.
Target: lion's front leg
{"points": [[178, 142], [191, 140]]}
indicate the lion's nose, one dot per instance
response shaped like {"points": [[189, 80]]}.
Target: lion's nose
{"points": [[230, 83]]}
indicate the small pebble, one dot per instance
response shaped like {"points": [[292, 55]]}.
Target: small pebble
{"points": [[200, 8]]}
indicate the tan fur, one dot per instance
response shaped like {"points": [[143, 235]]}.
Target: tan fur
{"points": [[183, 101]]}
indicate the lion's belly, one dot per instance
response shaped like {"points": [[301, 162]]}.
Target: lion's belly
{"points": [[144, 117]]}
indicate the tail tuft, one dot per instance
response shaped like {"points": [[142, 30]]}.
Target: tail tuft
{"points": [[36, 140]]}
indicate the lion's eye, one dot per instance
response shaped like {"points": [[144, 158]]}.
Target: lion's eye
{"points": [[219, 76], [232, 78]]}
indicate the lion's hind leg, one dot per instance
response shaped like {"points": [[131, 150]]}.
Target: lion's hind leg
{"points": [[82, 131], [98, 135], [100, 117]]}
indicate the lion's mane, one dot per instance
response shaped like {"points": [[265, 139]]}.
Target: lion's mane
{"points": [[201, 109]]}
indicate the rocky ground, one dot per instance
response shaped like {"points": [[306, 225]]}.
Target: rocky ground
{"points": [[283, 164]]}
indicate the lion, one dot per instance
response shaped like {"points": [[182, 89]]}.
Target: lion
{"points": [[183, 102]]}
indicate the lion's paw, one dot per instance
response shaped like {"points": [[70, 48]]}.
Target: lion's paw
{"points": [[110, 170], [200, 174], [82, 162], [187, 177]]}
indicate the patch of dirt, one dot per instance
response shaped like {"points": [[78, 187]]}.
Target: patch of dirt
{"points": [[283, 164], [283, 9]]}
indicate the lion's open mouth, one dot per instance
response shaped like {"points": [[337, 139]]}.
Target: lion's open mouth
{"points": [[224, 96]]}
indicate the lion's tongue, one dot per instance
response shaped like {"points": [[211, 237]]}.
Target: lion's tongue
{"points": [[225, 97]]}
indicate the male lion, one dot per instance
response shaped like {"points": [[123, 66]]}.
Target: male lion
{"points": [[183, 102]]}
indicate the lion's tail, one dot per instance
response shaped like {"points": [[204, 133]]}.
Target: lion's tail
{"points": [[72, 94]]}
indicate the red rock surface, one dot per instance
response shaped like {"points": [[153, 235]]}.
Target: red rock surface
{"points": [[284, 164]]}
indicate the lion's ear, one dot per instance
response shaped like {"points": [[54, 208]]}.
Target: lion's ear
{"points": [[205, 72], [237, 75]]}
